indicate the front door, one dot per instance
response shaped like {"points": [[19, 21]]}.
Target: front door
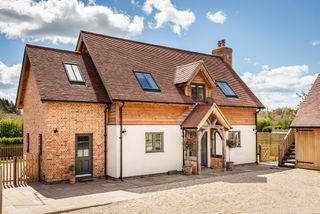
{"points": [[83, 155], [204, 152]]}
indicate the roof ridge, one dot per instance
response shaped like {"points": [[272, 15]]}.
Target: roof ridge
{"points": [[150, 44], [53, 49]]}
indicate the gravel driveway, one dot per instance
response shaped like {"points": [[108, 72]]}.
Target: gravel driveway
{"points": [[267, 191]]}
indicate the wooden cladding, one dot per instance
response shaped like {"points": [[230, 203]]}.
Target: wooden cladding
{"points": [[308, 148], [149, 113], [136, 113], [239, 116]]}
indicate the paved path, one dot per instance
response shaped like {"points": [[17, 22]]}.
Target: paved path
{"points": [[44, 198]]}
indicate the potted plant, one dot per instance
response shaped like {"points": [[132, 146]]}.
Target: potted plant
{"points": [[231, 144], [188, 144], [71, 171]]}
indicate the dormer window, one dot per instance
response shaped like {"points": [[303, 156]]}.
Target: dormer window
{"points": [[198, 92], [73, 73], [226, 89], [146, 81]]}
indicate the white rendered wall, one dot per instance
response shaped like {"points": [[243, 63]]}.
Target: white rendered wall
{"points": [[113, 151], [135, 159], [247, 152]]}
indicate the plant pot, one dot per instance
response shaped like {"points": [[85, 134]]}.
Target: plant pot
{"points": [[187, 170], [229, 166], [72, 179]]}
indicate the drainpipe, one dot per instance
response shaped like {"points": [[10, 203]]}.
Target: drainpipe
{"points": [[256, 119], [105, 140], [182, 148], [121, 141]]}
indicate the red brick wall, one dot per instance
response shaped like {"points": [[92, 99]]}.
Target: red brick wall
{"points": [[71, 119], [33, 116]]}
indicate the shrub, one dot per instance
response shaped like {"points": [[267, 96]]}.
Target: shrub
{"points": [[10, 128], [13, 140], [263, 123]]}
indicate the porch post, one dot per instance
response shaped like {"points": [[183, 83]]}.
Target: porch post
{"points": [[209, 147], [224, 149], [199, 134]]}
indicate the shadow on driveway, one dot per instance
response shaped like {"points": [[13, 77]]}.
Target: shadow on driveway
{"points": [[142, 184]]}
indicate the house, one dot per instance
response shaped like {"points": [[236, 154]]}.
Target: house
{"points": [[119, 108], [306, 130]]}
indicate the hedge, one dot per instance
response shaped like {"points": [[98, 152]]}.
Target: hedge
{"points": [[12, 140], [10, 128]]}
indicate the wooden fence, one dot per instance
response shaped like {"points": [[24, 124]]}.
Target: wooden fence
{"points": [[18, 170], [268, 145], [11, 150]]}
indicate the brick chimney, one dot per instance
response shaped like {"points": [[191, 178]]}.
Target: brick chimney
{"points": [[224, 52]]}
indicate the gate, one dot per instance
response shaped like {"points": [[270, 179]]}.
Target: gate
{"points": [[268, 152], [18, 170]]}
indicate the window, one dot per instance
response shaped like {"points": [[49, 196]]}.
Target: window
{"points": [[73, 73], [154, 142], [226, 89], [198, 92], [146, 81], [235, 135], [40, 144], [28, 142]]}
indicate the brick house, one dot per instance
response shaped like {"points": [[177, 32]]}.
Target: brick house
{"points": [[120, 108]]}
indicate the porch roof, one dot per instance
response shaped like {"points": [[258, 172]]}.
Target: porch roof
{"points": [[201, 113]]}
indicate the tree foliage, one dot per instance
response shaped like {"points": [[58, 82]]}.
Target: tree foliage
{"points": [[279, 118], [10, 128]]}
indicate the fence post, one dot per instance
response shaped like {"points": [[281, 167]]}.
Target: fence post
{"points": [[259, 153], [14, 170], [1, 189]]}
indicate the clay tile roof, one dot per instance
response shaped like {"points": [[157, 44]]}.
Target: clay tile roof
{"points": [[115, 59], [184, 72], [308, 114], [201, 112], [52, 80]]}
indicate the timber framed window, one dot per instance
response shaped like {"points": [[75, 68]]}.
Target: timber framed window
{"points": [[235, 135], [226, 89], [146, 81], [198, 92], [154, 142], [73, 73]]}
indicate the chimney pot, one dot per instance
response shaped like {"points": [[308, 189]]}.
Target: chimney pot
{"points": [[219, 44], [223, 43]]}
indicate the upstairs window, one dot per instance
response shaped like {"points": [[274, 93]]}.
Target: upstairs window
{"points": [[226, 89], [146, 81], [198, 92], [73, 73]]}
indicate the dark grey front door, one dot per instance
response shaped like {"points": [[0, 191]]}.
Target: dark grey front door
{"points": [[204, 152], [83, 155]]}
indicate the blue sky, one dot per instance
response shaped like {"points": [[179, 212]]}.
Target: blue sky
{"points": [[276, 44]]}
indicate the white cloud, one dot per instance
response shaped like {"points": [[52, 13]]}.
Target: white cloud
{"points": [[61, 20], [277, 87], [9, 78], [218, 17], [315, 43], [167, 13]]}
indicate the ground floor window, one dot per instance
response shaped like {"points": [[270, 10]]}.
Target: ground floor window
{"points": [[235, 136], [154, 142]]}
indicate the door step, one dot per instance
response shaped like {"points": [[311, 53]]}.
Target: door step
{"points": [[85, 179]]}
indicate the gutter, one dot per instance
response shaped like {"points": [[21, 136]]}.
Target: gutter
{"points": [[121, 139], [105, 140], [256, 119]]}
